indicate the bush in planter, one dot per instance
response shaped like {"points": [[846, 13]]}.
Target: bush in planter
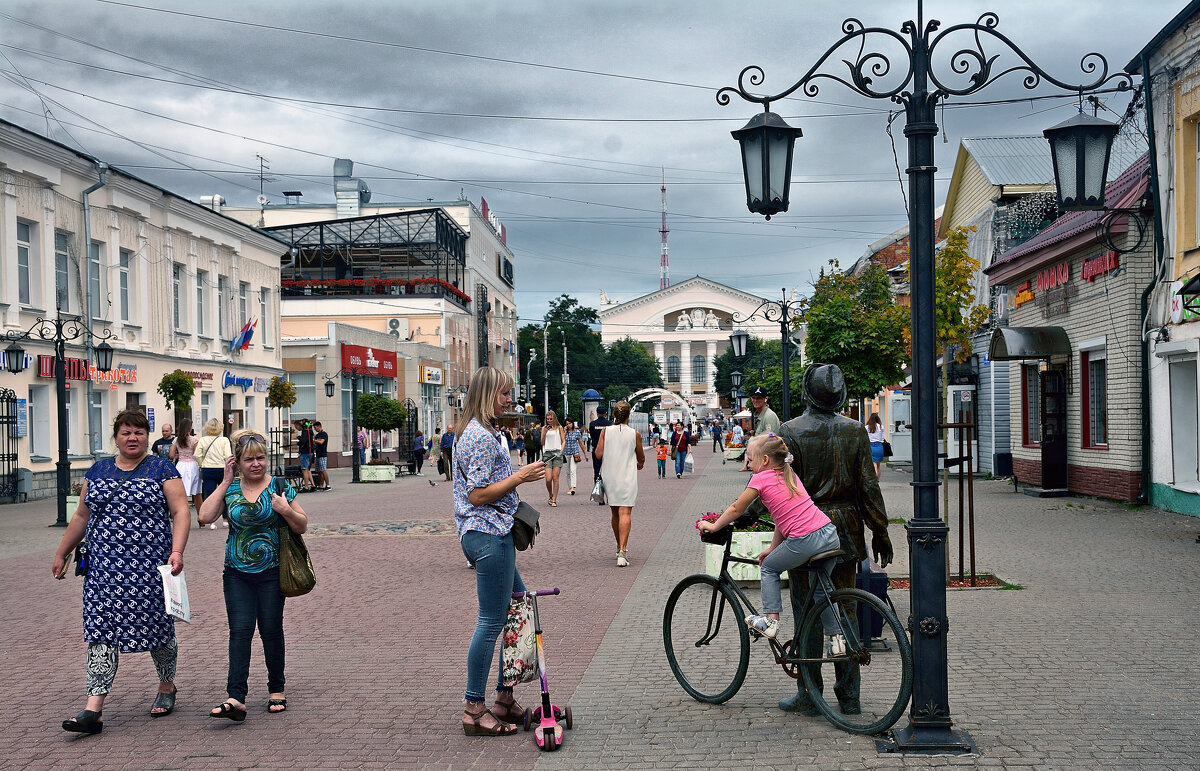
{"points": [[379, 413], [177, 388], [281, 393]]}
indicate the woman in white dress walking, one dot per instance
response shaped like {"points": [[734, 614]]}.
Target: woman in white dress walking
{"points": [[620, 448]]}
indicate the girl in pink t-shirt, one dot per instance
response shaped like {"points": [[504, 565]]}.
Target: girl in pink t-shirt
{"points": [[801, 530]]}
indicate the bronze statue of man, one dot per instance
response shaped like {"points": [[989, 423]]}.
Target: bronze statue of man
{"points": [[831, 455]]}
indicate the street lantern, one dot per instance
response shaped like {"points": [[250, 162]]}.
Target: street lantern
{"points": [[379, 388], [739, 340], [1080, 149], [767, 142], [329, 388], [14, 358], [735, 379], [104, 357]]}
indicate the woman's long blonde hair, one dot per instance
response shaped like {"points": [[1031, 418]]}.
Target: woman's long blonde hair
{"points": [[486, 384], [777, 452]]}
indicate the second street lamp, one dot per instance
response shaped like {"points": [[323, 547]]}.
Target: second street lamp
{"points": [[782, 311], [330, 388]]}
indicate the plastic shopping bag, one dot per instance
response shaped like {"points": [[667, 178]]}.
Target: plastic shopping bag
{"points": [[689, 464], [175, 594], [520, 662]]}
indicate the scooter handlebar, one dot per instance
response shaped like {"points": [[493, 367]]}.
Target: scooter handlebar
{"points": [[535, 593]]}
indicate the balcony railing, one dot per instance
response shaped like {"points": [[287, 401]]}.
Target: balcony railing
{"points": [[340, 287]]}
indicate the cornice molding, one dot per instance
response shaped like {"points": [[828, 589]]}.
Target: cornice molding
{"points": [[684, 286]]}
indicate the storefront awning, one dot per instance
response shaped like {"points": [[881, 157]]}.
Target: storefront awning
{"points": [[1012, 343]]}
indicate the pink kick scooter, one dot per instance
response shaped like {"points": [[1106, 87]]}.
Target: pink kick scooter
{"points": [[544, 720]]}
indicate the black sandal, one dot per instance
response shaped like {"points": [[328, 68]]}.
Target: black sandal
{"points": [[164, 701], [86, 722], [276, 703], [228, 710]]}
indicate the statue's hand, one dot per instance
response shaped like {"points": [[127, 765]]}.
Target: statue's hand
{"points": [[882, 546]]}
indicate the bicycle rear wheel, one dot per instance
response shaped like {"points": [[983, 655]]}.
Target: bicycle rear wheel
{"points": [[866, 690], [708, 646]]}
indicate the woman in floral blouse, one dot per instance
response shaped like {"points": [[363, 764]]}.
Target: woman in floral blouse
{"points": [[485, 498]]}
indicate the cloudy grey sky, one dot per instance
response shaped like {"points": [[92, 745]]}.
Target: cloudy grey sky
{"points": [[560, 114]]}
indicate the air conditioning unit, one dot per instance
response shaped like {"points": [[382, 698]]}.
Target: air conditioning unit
{"points": [[398, 328]]}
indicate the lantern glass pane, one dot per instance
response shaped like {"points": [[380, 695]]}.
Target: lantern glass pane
{"points": [[1065, 169], [778, 144], [752, 158], [1095, 152]]}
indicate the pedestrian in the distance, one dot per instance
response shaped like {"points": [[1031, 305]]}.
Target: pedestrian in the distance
{"points": [[681, 440], [134, 514], [594, 429], [447, 447], [211, 452], [248, 498], [306, 457], [162, 445], [715, 430], [485, 498], [553, 441], [877, 437], [574, 453], [363, 442], [321, 456], [418, 451], [621, 448], [661, 452], [183, 453]]}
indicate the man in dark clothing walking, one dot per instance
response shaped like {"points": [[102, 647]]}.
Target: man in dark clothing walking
{"points": [[320, 441], [594, 429], [447, 447]]}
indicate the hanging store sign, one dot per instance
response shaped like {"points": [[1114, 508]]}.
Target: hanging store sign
{"points": [[1024, 294], [1100, 265], [80, 369], [431, 375], [230, 380], [369, 361], [200, 379]]}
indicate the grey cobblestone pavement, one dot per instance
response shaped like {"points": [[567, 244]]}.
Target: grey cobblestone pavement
{"points": [[1091, 665]]}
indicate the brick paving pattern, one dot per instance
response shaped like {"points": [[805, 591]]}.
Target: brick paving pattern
{"points": [[1092, 665]]}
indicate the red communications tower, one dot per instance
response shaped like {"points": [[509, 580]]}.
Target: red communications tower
{"points": [[664, 270]]}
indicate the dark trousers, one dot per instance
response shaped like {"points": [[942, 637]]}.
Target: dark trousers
{"points": [[253, 598], [847, 675], [534, 451], [448, 456], [418, 459], [595, 467], [717, 443], [209, 479]]}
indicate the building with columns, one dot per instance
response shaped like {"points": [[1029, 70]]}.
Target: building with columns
{"points": [[685, 327]]}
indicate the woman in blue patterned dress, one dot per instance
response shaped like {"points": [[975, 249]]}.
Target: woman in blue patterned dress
{"points": [[255, 511], [134, 513], [485, 498]]}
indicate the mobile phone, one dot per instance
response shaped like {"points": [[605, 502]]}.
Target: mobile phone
{"points": [[66, 564]]}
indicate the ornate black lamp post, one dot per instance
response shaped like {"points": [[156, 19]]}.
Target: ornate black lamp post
{"points": [[783, 310], [918, 88], [58, 331], [355, 373], [735, 380]]}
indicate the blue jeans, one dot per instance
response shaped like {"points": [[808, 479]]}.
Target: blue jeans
{"points": [[680, 457], [496, 578], [210, 478], [793, 553], [253, 598]]}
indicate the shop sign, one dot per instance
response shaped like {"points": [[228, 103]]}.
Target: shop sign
{"points": [[21, 428], [230, 380], [1099, 265], [261, 384], [431, 375], [150, 417], [80, 369], [1024, 294], [1053, 302], [1179, 313], [368, 361], [200, 379], [1056, 275]]}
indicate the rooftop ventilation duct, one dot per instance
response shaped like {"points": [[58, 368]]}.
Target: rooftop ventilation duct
{"points": [[350, 193]]}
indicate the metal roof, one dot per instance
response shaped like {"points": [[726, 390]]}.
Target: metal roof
{"points": [[1025, 160], [1016, 343]]}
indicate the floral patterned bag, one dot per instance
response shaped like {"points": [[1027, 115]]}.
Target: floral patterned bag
{"points": [[520, 663]]}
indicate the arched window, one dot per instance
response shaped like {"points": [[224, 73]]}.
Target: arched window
{"points": [[672, 369], [698, 365]]}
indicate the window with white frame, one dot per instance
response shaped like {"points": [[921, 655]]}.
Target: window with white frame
{"points": [[99, 420], [126, 283], [26, 270], [263, 300], [1093, 365], [176, 289], [1185, 421], [201, 305], [206, 409], [222, 297], [38, 414], [94, 280], [1031, 405], [62, 272], [244, 301]]}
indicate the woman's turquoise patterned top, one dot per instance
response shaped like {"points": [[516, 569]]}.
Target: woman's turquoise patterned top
{"points": [[253, 542]]}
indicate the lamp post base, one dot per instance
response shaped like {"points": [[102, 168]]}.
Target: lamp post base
{"points": [[927, 740]]}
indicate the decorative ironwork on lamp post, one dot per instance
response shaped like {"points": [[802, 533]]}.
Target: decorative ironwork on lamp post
{"points": [[781, 311], [917, 88], [58, 331]]}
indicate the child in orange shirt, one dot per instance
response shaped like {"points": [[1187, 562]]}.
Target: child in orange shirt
{"points": [[661, 456]]}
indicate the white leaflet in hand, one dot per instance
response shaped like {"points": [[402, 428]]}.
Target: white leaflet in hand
{"points": [[175, 594]]}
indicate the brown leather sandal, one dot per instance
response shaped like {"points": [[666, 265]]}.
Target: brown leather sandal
{"points": [[509, 713], [473, 727]]}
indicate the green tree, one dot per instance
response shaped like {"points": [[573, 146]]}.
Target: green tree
{"points": [[630, 367], [177, 388], [379, 413], [855, 323], [574, 323], [763, 365]]}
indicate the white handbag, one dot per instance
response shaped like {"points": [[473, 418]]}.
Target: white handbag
{"points": [[599, 495], [689, 464]]}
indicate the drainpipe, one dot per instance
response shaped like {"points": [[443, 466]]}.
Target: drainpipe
{"points": [[1147, 80], [101, 169]]}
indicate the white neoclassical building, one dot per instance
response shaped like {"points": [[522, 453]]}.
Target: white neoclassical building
{"points": [[685, 326]]}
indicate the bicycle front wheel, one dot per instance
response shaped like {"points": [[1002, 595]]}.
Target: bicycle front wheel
{"points": [[708, 646], [865, 690]]}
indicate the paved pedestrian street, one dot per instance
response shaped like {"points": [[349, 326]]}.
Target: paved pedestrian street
{"points": [[1092, 664]]}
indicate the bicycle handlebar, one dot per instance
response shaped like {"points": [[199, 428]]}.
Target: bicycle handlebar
{"points": [[535, 593]]}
